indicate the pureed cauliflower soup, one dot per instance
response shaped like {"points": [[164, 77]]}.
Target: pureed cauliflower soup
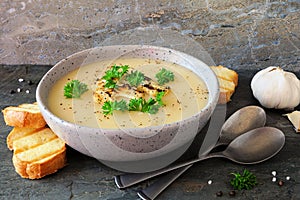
{"points": [[157, 91]]}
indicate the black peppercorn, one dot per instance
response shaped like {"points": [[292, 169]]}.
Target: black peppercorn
{"points": [[232, 193], [29, 82], [280, 183], [219, 194]]}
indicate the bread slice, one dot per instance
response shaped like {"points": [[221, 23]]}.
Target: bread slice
{"points": [[24, 115], [225, 96], [228, 81], [38, 138], [225, 73], [17, 133], [38, 153]]}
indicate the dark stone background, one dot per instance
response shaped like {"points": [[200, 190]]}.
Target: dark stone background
{"points": [[237, 34], [243, 35]]}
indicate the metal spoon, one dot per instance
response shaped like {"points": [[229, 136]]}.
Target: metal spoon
{"points": [[241, 121], [252, 147]]}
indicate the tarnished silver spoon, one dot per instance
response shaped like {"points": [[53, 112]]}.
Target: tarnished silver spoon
{"points": [[241, 121], [252, 147]]}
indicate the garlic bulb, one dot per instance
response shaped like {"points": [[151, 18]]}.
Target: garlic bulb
{"points": [[275, 88]]}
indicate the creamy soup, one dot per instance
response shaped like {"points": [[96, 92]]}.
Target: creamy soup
{"points": [[187, 96]]}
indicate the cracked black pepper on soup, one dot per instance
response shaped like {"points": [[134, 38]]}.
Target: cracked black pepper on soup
{"points": [[187, 94]]}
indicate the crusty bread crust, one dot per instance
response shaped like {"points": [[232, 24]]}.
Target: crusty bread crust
{"points": [[38, 153], [228, 81], [40, 168], [37, 149], [226, 73], [24, 115], [225, 96]]}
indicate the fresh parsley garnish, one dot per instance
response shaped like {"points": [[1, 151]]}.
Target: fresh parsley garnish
{"points": [[246, 180], [159, 97], [135, 104], [74, 89], [110, 106], [164, 76], [115, 73], [135, 78], [149, 106]]}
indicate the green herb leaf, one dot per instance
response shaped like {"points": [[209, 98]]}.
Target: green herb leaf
{"points": [[74, 89], [135, 104], [164, 76], [149, 106], [159, 97], [142, 105], [110, 106], [112, 75], [153, 109], [135, 78], [246, 180]]}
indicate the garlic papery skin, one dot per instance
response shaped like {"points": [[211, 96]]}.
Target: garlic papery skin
{"points": [[275, 88], [294, 117]]}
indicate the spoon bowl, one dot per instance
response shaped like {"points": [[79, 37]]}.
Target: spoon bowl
{"points": [[255, 146], [243, 120]]}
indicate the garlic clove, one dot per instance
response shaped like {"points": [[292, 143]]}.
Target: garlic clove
{"points": [[294, 118]]}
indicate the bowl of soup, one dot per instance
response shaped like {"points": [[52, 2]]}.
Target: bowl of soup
{"points": [[135, 108]]}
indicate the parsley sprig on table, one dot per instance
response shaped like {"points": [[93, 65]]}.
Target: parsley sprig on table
{"points": [[114, 74], [74, 89], [246, 180], [164, 76]]}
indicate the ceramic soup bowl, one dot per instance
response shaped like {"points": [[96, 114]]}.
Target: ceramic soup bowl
{"points": [[137, 149]]}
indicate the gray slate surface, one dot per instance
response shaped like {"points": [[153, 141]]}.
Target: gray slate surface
{"points": [[86, 178]]}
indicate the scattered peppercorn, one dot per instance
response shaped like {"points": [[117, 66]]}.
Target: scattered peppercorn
{"points": [[280, 183], [232, 193], [219, 194], [29, 82]]}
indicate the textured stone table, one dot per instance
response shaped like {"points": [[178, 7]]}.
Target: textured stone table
{"points": [[86, 178], [241, 34]]}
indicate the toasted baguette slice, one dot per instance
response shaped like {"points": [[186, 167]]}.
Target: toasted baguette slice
{"points": [[38, 154], [225, 96], [24, 115], [40, 168], [228, 81], [17, 133], [225, 73], [38, 138]]}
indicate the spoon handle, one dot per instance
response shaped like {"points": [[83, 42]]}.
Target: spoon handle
{"points": [[152, 191], [129, 179]]}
